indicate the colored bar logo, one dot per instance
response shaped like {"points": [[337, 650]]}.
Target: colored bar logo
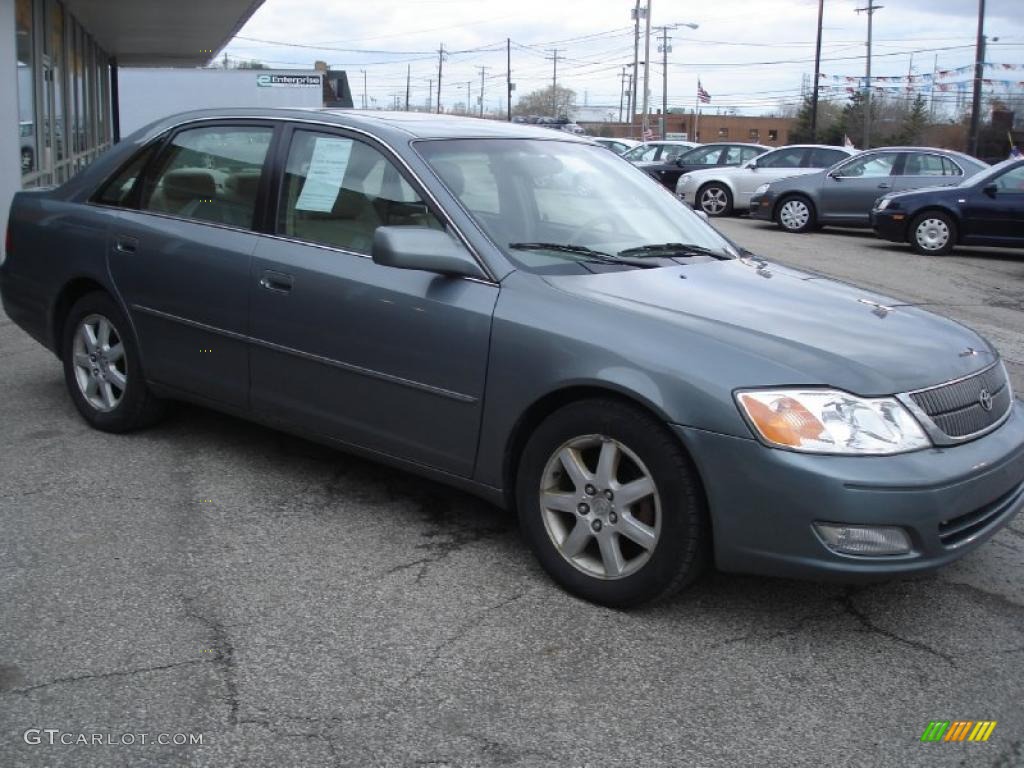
{"points": [[958, 730]]}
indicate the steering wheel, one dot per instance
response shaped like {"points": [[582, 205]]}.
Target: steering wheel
{"points": [[590, 225]]}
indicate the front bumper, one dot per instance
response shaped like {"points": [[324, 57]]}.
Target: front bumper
{"points": [[761, 207], [763, 501], [890, 224]]}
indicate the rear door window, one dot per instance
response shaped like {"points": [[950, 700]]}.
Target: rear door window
{"points": [[872, 166], [790, 157], [825, 158], [210, 174], [923, 164]]}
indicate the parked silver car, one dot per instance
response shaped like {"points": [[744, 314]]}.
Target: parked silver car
{"points": [[723, 190], [844, 194], [519, 313]]}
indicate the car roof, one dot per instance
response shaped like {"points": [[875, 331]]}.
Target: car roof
{"points": [[394, 125]]}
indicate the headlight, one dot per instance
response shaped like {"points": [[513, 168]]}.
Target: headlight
{"points": [[883, 204], [829, 421], [761, 190]]}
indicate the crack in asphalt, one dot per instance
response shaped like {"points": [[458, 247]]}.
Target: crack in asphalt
{"points": [[106, 675], [225, 654], [846, 601], [332, 748], [473, 622]]}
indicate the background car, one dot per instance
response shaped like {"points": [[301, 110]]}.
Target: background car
{"points": [[844, 194], [667, 170], [985, 209], [723, 190], [618, 146], [653, 151]]}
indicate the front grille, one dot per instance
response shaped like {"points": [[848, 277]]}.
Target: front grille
{"points": [[959, 529], [956, 408]]}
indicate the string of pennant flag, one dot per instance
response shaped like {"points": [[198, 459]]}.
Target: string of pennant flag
{"points": [[942, 74]]}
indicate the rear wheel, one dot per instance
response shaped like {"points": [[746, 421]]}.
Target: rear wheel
{"points": [[611, 505], [101, 367], [715, 199], [796, 214], [933, 233]]}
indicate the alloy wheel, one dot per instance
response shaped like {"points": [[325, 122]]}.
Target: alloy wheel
{"points": [[714, 200], [600, 506], [99, 361]]}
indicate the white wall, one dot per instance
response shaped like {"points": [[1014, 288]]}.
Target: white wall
{"points": [[148, 94], [10, 146]]}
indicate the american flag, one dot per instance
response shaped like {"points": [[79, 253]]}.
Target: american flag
{"points": [[703, 96]]}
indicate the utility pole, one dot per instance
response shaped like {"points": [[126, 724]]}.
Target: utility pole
{"points": [[554, 81], [817, 76], [469, 84], [665, 49], [440, 66], [408, 84], [931, 100], [508, 77], [364, 87], [430, 97], [647, 67], [870, 10], [225, 59], [622, 90], [636, 65], [483, 71], [979, 73]]}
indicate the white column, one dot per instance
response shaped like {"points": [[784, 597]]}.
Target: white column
{"points": [[10, 145]]}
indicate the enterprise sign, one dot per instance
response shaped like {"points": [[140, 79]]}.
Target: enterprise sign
{"points": [[288, 81]]}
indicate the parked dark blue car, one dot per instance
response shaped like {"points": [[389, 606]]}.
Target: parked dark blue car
{"points": [[985, 209]]}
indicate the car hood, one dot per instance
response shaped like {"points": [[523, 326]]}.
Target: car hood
{"points": [[791, 327], [942, 189]]}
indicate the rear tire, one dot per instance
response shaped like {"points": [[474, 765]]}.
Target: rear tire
{"points": [[715, 199], [611, 505], [796, 214], [933, 233], [101, 367]]}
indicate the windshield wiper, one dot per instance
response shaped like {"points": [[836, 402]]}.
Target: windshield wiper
{"points": [[580, 250], [674, 249]]}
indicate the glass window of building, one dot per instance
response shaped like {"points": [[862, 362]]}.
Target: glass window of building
{"points": [[27, 128]]}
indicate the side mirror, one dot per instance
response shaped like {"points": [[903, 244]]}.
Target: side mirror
{"points": [[751, 164], [835, 175], [430, 250], [990, 189]]}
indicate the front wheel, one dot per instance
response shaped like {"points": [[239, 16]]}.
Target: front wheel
{"points": [[715, 200], [101, 367], [796, 214], [611, 505], [933, 233]]}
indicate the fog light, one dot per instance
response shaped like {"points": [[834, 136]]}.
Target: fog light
{"points": [[863, 539]]}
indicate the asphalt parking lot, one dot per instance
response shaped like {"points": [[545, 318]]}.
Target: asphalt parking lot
{"points": [[298, 607]]}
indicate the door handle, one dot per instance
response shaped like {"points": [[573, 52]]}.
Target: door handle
{"points": [[278, 282], [884, 185], [124, 244]]}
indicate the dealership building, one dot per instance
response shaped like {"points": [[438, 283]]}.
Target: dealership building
{"points": [[59, 65]]}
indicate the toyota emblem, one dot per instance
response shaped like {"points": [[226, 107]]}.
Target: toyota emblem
{"points": [[985, 399]]}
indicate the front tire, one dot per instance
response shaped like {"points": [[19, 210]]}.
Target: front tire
{"points": [[933, 233], [796, 214], [611, 505], [101, 367], [715, 199]]}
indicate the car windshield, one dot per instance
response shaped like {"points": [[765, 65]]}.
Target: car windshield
{"points": [[574, 198]]}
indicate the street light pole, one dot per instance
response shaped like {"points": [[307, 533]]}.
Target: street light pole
{"points": [[870, 9], [666, 49], [979, 73], [636, 65], [647, 67], [817, 76], [364, 87]]}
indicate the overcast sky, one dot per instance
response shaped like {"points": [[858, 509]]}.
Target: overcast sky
{"points": [[748, 54]]}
